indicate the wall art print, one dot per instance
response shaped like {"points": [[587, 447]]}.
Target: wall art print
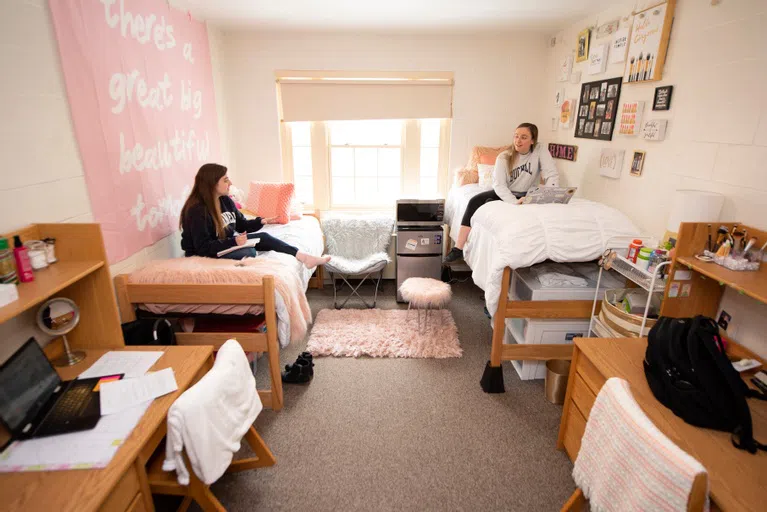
{"points": [[597, 111], [648, 43]]}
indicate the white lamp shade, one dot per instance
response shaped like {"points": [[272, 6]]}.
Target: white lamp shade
{"points": [[694, 206]]}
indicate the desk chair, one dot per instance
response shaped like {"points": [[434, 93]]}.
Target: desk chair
{"points": [[229, 382], [358, 247], [620, 447]]}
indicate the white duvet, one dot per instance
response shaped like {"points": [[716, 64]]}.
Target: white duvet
{"points": [[516, 236], [455, 206]]}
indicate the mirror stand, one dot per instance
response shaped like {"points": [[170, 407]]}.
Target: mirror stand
{"points": [[69, 358]]}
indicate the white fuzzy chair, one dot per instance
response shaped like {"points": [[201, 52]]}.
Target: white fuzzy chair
{"points": [[358, 246]]}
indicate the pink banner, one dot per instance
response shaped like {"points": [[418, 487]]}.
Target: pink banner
{"points": [[140, 89]]}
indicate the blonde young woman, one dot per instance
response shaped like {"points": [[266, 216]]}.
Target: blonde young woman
{"points": [[517, 170]]}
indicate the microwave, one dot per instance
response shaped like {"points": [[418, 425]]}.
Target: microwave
{"points": [[420, 212]]}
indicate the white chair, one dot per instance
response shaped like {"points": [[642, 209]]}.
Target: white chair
{"points": [[358, 247], [620, 448], [205, 427]]}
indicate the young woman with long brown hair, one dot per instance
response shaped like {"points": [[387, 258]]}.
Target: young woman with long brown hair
{"points": [[517, 170], [210, 222]]}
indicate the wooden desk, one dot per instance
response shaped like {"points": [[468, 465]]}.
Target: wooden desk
{"points": [[123, 484], [737, 479]]}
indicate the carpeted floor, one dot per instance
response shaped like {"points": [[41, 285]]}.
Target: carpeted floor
{"points": [[407, 434]]}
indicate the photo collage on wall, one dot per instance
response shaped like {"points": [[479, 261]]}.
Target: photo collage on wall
{"points": [[598, 110]]}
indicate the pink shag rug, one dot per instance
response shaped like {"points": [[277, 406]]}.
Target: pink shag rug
{"points": [[383, 333]]}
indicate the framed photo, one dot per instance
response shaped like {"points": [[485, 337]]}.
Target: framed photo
{"points": [[582, 48], [637, 163], [648, 43], [598, 112], [662, 99]]}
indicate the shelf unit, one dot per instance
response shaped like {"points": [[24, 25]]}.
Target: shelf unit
{"points": [[81, 274], [650, 282]]}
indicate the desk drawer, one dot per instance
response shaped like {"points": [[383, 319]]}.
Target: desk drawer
{"points": [[591, 376], [582, 396], [576, 426], [123, 494]]}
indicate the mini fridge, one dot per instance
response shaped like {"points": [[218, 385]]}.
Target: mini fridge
{"points": [[419, 239]]}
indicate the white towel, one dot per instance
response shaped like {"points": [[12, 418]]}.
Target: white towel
{"points": [[626, 463], [209, 419]]}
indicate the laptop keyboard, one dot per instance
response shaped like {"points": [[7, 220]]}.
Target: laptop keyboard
{"points": [[68, 408]]}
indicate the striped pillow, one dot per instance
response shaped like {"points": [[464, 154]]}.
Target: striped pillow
{"points": [[270, 200]]}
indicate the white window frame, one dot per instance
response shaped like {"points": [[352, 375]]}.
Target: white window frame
{"points": [[409, 172]]}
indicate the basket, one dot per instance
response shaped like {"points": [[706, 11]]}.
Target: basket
{"points": [[618, 320]]}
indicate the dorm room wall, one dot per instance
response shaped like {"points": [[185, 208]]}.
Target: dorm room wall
{"points": [[42, 179], [497, 81], [717, 127]]}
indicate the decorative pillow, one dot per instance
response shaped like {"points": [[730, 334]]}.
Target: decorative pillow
{"points": [[485, 175], [484, 155], [466, 177], [269, 200], [238, 196]]}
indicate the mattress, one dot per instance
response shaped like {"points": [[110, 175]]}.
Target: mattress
{"points": [[510, 235], [304, 233]]}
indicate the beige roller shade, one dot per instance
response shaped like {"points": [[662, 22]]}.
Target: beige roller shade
{"points": [[334, 98]]}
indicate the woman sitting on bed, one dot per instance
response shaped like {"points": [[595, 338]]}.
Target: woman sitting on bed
{"points": [[210, 222], [516, 171]]}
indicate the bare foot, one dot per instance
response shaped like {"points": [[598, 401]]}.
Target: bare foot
{"points": [[310, 261]]}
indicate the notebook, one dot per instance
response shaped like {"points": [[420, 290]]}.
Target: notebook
{"points": [[549, 195], [251, 242]]}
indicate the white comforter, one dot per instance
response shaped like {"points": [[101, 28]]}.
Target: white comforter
{"points": [[516, 236], [455, 206]]}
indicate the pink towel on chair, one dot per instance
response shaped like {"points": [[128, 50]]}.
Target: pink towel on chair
{"points": [[626, 463]]}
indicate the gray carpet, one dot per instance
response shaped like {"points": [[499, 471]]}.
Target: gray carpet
{"points": [[407, 434]]}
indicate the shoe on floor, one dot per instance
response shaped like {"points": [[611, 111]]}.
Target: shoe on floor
{"points": [[455, 254], [307, 357], [299, 372]]}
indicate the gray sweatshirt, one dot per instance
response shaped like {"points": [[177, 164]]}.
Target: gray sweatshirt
{"points": [[526, 173]]}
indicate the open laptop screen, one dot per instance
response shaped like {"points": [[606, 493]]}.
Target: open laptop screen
{"points": [[27, 381]]}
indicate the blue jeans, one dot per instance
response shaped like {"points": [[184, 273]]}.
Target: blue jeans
{"points": [[266, 243]]}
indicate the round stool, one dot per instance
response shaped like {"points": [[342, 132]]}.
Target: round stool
{"points": [[424, 293]]}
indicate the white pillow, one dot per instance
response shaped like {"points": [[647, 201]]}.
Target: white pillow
{"points": [[485, 175]]}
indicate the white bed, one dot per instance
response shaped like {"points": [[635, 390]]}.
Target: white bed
{"points": [[517, 236]]}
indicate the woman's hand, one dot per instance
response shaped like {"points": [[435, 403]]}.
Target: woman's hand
{"points": [[241, 239], [521, 200], [269, 220]]}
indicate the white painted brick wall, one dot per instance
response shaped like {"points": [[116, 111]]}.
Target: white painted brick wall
{"points": [[717, 131]]}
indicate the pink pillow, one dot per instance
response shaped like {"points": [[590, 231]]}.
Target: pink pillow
{"points": [[268, 200]]}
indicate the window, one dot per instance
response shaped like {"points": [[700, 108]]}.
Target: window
{"points": [[429, 168], [365, 162], [302, 161]]}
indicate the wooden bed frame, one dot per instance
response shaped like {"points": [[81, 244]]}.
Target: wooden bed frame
{"points": [[129, 295], [492, 379]]}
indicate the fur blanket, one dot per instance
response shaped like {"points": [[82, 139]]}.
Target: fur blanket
{"points": [[293, 310]]}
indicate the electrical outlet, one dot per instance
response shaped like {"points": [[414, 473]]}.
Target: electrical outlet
{"points": [[724, 319]]}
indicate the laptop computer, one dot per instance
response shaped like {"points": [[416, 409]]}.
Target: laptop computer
{"points": [[549, 195], [35, 402]]}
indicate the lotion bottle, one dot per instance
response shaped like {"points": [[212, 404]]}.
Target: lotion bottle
{"points": [[23, 265]]}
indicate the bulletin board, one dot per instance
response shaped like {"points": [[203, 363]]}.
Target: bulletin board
{"points": [[598, 109]]}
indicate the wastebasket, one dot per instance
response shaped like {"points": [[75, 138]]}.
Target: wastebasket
{"points": [[557, 371]]}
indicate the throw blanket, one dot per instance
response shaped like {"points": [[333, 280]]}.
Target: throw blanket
{"points": [[291, 305], [209, 420], [517, 236], [626, 463]]}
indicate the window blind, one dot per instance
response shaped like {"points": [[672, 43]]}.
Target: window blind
{"points": [[351, 98]]}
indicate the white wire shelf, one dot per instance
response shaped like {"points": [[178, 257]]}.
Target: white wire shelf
{"points": [[639, 276]]}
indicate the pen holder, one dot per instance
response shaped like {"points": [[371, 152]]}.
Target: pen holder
{"points": [[738, 263]]}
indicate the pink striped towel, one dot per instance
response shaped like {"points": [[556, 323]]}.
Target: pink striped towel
{"points": [[626, 463]]}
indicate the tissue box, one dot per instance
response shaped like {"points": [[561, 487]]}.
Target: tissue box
{"points": [[8, 294]]}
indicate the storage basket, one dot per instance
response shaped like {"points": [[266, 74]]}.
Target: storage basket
{"points": [[618, 320]]}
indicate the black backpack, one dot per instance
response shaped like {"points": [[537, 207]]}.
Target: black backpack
{"points": [[689, 373], [149, 331]]}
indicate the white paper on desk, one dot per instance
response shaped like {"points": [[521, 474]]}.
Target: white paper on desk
{"points": [[123, 394], [79, 450], [131, 363]]}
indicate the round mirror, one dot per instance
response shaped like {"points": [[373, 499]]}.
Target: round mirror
{"points": [[58, 317]]}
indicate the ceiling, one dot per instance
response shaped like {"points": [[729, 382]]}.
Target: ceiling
{"points": [[393, 15]]}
